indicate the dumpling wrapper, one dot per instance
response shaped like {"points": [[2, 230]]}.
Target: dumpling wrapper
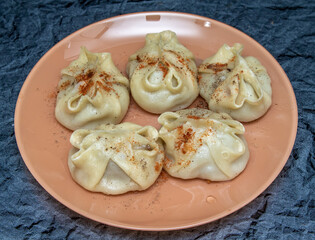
{"points": [[163, 74], [235, 85], [202, 144], [116, 159], [92, 91]]}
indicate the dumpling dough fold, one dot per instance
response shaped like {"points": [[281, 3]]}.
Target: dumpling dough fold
{"points": [[115, 159], [91, 92], [235, 85], [202, 144], [163, 74]]}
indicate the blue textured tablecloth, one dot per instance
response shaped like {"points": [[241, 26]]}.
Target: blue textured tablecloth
{"points": [[286, 210]]}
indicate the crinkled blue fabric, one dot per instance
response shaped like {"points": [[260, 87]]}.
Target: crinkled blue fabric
{"points": [[286, 210]]}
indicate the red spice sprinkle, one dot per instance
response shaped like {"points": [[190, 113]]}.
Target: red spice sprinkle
{"points": [[185, 140], [162, 178], [217, 67], [157, 166], [103, 86], [164, 69], [187, 163], [151, 62], [85, 76], [110, 84], [105, 75], [147, 60], [88, 83], [90, 74], [181, 60], [86, 87], [64, 85], [193, 117], [53, 95], [141, 66]]}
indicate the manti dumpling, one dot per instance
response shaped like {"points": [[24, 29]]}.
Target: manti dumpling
{"points": [[163, 74], [91, 92], [235, 85], [203, 144], [115, 159]]}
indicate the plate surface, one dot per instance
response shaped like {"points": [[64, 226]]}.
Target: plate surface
{"points": [[170, 203]]}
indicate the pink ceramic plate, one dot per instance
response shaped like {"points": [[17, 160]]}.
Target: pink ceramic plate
{"points": [[170, 203]]}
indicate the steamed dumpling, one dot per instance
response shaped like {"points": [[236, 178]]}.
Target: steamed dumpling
{"points": [[202, 144], [91, 91], [163, 74], [235, 85], [115, 159]]}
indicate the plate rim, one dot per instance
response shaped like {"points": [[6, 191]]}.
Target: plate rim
{"points": [[114, 223]]}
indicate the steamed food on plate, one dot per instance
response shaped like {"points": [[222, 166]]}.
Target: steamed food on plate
{"points": [[202, 144], [235, 85], [115, 159], [91, 92], [112, 158], [163, 74]]}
